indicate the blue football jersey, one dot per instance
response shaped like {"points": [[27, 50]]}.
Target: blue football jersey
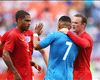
{"points": [[62, 55]]}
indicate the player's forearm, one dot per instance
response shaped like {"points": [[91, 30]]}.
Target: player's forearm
{"points": [[81, 42], [45, 57], [8, 61], [1, 44]]}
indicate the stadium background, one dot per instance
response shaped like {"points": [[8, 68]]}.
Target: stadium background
{"points": [[48, 12]]}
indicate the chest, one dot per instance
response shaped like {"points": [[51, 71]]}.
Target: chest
{"points": [[21, 42]]}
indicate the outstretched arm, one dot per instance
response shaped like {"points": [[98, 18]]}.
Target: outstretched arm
{"points": [[37, 31], [82, 42]]}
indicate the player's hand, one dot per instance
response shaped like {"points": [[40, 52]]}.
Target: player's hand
{"points": [[38, 67], [17, 76], [38, 29]]}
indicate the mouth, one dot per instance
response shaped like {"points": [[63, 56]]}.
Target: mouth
{"points": [[28, 27]]}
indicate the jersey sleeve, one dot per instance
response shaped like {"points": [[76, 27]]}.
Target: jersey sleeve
{"points": [[81, 42], [47, 40], [0, 38], [3, 39], [10, 43]]}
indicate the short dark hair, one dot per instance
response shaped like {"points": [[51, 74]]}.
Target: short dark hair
{"points": [[65, 18], [21, 14], [84, 19]]}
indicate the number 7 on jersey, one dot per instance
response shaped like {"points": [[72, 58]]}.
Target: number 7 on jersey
{"points": [[68, 49]]}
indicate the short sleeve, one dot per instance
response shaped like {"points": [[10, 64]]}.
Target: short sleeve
{"points": [[10, 42], [47, 40], [3, 39]]}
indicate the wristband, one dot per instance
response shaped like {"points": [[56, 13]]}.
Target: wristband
{"points": [[35, 35]]}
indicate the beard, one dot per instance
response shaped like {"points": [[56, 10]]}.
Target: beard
{"points": [[25, 28]]}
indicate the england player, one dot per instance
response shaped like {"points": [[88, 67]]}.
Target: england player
{"points": [[16, 49], [62, 52], [85, 43], [27, 33], [3, 67]]}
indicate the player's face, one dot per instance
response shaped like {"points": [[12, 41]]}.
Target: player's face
{"points": [[76, 24], [25, 23]]}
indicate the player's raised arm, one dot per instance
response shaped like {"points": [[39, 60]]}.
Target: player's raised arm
{"points": [[38, 31]]}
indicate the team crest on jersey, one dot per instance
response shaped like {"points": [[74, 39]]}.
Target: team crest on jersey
{"points": [[28, 38]]}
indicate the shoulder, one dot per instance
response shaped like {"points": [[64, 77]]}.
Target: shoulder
{"points": [[6, 33], [87, 35], [53, 34], [12, 33], [57, 33]]}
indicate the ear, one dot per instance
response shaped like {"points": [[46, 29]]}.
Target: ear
{"points": [[69, 27], [19, 19], [84, 25]]}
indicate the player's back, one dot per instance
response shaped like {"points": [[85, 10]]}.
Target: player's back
{"points": [[61, 58]]}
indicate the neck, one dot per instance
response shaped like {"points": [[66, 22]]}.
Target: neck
{"points": [[64, 30], [80, 32], [19, 29]]}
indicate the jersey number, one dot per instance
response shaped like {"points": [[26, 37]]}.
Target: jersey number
{"points": [[68, 49]]}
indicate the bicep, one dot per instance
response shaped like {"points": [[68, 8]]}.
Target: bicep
{"points": [[5, 53], [38, 47], [10, 43], [47, 40]]}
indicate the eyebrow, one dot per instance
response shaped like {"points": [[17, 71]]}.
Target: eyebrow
{"points": [[27, 20]]}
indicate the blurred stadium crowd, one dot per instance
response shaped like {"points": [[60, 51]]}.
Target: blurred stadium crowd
{"points": [[48, 13]]}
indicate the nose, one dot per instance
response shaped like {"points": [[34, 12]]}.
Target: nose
{"points": [[29, 23], [73, 27]]}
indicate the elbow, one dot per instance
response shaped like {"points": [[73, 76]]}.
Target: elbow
{"points": [[42, 51], [4, 56], [84, 45], [37, 47]]}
